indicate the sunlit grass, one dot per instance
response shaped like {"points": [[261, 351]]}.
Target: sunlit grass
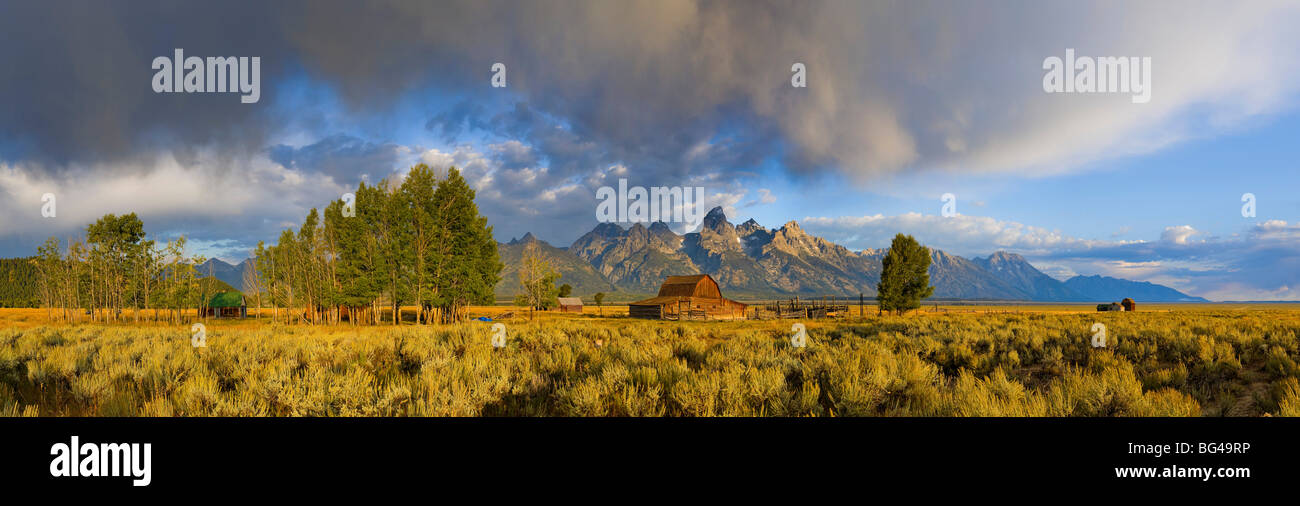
{"points": [[1182, 363]]}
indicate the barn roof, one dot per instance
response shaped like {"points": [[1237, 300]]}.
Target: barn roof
{"points": [[690, 286], [227, 299], [570, 301]]}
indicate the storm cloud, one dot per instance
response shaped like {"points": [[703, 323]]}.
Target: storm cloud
{"points": [[668, 92]]}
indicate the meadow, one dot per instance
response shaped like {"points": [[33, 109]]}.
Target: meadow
{"points": [[1185, 361]]}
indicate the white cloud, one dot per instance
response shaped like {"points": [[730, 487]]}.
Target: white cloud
{"points": [[245, 202], [1178, 234]]}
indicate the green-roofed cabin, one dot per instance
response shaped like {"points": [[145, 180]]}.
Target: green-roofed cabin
{"points": [[227, 305]]}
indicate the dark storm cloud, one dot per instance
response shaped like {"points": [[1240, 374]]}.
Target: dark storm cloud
{"points": [[672, 92], [342, 157], [891, 86], [465, 115], [76, 78]]}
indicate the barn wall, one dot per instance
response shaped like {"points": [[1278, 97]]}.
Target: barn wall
{"points": [[653, 312]]}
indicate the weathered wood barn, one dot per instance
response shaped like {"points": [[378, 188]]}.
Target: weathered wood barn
{"points": [[1128, 304], [570, 305], [688, 297]]}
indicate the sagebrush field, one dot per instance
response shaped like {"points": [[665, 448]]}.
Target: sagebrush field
{"points": [[1201, 362]]}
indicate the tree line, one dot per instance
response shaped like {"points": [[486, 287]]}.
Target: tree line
{"points": [[114, 268], [419, 242]]}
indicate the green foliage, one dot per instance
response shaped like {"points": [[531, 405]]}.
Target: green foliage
{"points": [[468, 266], [905, 276], [115, 273], [565, 290], [19, 282], [420, 242]]}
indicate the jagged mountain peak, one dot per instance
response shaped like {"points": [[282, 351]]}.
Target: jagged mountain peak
{"points": [[716, 220], [527, 238], [749, 227], [608, 230]]}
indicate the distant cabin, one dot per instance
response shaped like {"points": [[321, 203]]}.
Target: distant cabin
{"points": [[570, 305], [1113, 306], [1129, 305], [227, 305], [694, 297]]}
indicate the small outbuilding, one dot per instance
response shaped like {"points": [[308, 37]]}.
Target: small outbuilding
{"points": [[227, 305], [695, 297], [1113, 306], [570, 305], [1128, 304]]}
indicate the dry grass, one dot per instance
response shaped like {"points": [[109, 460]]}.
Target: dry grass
{"points": [[1183, 363]]}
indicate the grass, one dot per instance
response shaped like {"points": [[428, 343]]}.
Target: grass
{"points": [[1210, 362]]}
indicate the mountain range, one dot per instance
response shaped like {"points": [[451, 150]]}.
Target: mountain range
{"points": [[753, 262]]}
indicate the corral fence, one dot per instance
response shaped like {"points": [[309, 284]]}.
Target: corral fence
{"points": [[822, 307]]}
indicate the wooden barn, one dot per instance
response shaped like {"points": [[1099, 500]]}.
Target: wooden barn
{"points": [[688, 297], [1128, 304], [570, 305], [227, 305]]}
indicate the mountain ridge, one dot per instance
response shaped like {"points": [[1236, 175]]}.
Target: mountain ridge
{"points": [[749, 260]]}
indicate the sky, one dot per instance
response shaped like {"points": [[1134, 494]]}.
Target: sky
{"points": [[904, 102]]}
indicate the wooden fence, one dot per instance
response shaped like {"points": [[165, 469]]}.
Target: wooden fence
{"points": [[824, 307]]}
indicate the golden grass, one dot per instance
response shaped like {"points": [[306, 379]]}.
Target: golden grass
{"points": [[1185, 362]]}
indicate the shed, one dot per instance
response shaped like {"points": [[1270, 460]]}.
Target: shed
{"points": [[570, 305], [1113, 306], [227, 305], [1128, 304], [688, 297]]}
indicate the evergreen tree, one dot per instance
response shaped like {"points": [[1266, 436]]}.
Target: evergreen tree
{"points": [[905, 276], [395, 240], [417, 191], [465, 265]]}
